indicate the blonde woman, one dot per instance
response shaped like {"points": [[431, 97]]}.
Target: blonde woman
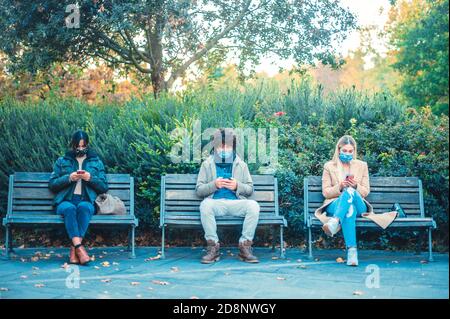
{"points": [[345, 184]]}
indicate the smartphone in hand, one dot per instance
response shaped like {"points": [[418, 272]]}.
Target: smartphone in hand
{"points": [[348, 177], [81, 172]]}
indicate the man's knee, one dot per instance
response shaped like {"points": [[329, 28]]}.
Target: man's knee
{"points": [[252, 207], [207, 206]]}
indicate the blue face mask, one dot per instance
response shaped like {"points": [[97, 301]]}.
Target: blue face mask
{"points": [[345, 158], [225, 154]]}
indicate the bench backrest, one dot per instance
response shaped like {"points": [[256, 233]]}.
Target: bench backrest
{"points": [[29, 194], [178, 196], [384, 192]]}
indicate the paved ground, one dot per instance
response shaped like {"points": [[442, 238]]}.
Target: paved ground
{"points": [[38, 273]]}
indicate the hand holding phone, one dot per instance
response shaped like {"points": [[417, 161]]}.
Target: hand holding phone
{"points": [[81, 172]]}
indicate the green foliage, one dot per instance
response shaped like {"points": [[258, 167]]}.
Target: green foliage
{"points": [[421, 52], [162, 34], [135, 138]]}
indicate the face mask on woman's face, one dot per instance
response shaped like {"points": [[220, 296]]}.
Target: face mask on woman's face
{"points": [[345, 157], [81, 152]]}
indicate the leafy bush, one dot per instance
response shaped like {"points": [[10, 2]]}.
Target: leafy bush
{"points": [[135, 138]]}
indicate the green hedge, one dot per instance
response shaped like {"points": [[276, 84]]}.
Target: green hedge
{"points": [[134, 138]]}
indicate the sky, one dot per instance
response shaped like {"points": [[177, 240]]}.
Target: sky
{"points": [[367, 12]]}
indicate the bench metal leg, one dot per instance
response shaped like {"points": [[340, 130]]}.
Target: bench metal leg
{"points": [[273, 237], [310, 255], [430, 245], [419, 243], [7, 242], [282, 255], [131, 241], [163, 244]]}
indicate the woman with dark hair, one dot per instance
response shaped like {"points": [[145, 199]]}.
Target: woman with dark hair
{"points": [[77, 178]]}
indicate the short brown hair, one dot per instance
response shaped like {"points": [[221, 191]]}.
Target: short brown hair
{"points": [[224, 136]]}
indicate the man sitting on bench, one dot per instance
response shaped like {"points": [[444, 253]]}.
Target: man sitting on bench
{"points": [[225, 181]]}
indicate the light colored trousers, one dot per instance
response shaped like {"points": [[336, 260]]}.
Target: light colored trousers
{"points": [[247, 208]]}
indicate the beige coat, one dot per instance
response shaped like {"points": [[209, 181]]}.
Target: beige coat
{"points": [[205, 181], [331, 179]]}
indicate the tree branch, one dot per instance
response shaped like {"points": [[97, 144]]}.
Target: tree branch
{"points": [[209, 44]]}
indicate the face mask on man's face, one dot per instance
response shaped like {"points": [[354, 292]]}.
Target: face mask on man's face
{"points": [[81, 152], [225, 154]]}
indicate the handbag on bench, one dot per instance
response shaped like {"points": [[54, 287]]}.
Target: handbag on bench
{"points": [[110, 205]]}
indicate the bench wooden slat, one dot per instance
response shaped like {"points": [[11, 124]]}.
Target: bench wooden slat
{"points": [[376, 181], [45, 185], [197, 209], [401, 222], [392, 198], [192, 187], [36, 177], [36, 193], [191, 194], [376, 189], [192, 179]]}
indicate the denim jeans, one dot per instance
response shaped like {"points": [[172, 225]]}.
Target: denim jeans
{"points": [[77, 214], [247, 208], [347, 207]]}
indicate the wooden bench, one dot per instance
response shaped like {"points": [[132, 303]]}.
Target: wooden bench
{"points": [[30, 204], [180, 205], [384, 192]]}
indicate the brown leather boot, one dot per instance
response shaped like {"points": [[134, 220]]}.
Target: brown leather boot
{"points": [[73, 258], [82, 254], [212, 252], [245, 252]]}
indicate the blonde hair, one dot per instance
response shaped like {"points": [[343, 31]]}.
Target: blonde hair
{"points": [[344, 140]]}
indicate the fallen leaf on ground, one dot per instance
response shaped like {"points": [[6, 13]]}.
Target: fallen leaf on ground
{"points": [[105, 264], [275, 257], [158, 282], [106, 280], [4, 289], [317, 259], [34, 258], [302, 266], [395, 261], [174, 269], [35, 268], [424, 261], [96, 267], [39, 285], [339, 260], [23, 277], [281, 278], [135, 283], [358, 293], [153, 258]]}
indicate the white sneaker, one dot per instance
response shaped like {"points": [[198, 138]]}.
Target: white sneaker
{"points": [[352, 256], [331, 227]]}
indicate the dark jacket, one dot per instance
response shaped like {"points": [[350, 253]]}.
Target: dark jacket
{"points": [[63, 187]]}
